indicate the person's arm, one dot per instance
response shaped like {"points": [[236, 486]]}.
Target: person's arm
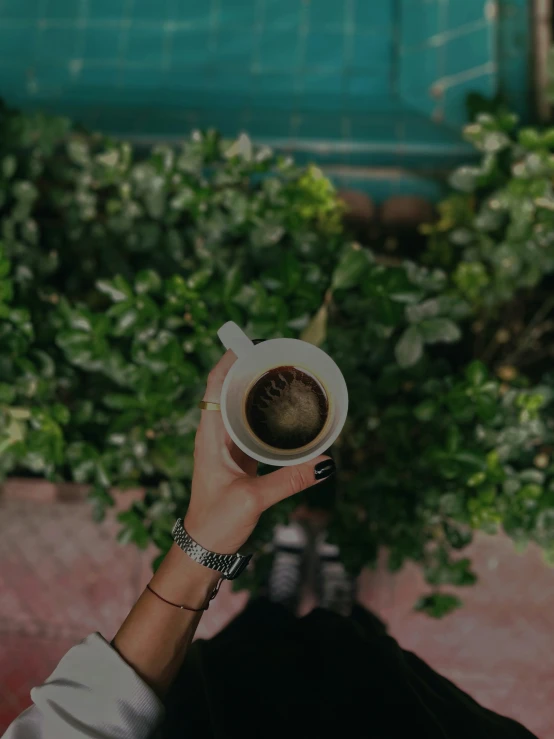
{"points": [[92, 693], [155, 636], [95, 692], [105, 691]]}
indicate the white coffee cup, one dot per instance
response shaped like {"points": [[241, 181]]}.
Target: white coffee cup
{"points": [[256, 359]]}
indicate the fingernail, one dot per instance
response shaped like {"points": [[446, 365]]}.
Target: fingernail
{"points": [[324, 469], [257, 341]]}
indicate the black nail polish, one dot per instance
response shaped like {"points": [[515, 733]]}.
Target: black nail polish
{"points": [[257, 341], [324, 469]]}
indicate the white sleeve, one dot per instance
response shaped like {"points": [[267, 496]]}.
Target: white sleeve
{"points": [[93, 693]]}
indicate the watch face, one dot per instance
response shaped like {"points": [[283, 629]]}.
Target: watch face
{"points": [[238, 566]]}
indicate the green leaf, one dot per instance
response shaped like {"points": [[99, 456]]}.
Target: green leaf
{"points": [[439, 330], [316, 331], [477, 373], [233, 281], [117, 289], [420, 311], [465, 179], [9, 166], [134, 529], [199, 279], [457, 538], [530, 491], [426, 410], [291, 270], [241, 148], [438, 605], [126, 322], [351, 267], [147, 281], [120, 402], [409, 349]]}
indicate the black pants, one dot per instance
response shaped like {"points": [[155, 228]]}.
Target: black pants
{"points": [[269, 674]]}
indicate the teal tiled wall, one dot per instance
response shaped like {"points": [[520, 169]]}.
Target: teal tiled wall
{"points": [[349, 82], [282, 54], [447, 50]]}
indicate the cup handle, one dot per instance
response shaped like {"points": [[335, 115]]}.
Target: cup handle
{"points": [[233, 337]]}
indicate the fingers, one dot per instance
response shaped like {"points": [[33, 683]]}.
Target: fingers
{"points": [[211, 434], [288, 481]]}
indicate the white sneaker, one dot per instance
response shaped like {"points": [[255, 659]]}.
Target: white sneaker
{"points": [[336, 588], [288, 569]]}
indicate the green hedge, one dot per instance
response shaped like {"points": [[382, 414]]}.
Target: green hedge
{"points": [[118, 266]]}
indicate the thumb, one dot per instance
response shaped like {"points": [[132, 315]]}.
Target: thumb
{"points": [[288, 481]]}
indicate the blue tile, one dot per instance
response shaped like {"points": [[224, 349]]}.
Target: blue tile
{"points": [[56, 43], [468, 11], [274, 89], [150, 10], [135, 84], [13, 83], [422, 103], [120, 121], [371, 50], [224, 118], [282, 14], [62, 10], [322, 85], [105, 9], [278, 50], [468, 51], [316, 126], [95, 82], [195, 12], [51, 79], [234, 48], [165, 123], [366, 83], [238, 15], [15, 43], [235, 82], [275, 125], [419, 71], [327, 15], [514, 43], [14, 10], [184, 78], [421, 186], [325, 50], [376, 15], [101, 44], [455, 97], [366, 130], [145, 45], [420, 21], [515, 85], [191, 47], [380, 190], [421, 130]]}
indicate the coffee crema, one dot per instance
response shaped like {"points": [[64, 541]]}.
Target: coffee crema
{"points": [[287, 408]]}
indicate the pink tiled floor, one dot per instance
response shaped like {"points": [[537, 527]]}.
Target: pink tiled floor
{"points": [[63, 576]]}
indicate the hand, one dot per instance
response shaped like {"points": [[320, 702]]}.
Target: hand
{"points": [[227, 497]]}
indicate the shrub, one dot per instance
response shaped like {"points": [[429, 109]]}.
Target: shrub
{"points": [[125, 263]]}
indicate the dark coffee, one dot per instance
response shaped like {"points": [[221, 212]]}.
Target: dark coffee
{"points": [[287, 408]]}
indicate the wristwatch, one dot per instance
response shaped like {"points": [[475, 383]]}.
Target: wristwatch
{"points": [[229, 565]]}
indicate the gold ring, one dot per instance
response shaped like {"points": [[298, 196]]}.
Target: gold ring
{"points": [[207, 406]]}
